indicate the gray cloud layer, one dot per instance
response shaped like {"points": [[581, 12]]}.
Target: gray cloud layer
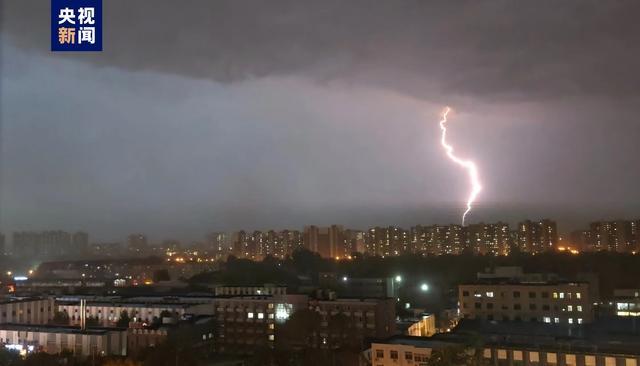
{"points": [[482, 48], [208, 115]]}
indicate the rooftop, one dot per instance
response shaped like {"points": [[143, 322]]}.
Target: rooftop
{"points": [[58, 329]]}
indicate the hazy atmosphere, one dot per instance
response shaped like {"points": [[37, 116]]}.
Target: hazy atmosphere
{"points": [[225, 115]]}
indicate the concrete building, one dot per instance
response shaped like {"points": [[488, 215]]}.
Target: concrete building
{"points": [[42, 245], [616, 236], [55, 339], [626, 302], [537, 237], [488, 239], [250, 290], [3, 245], [108, 313], [28, 310], [248, 322], [373, 318], [137, 243], [513, 345], [513, 300], [354, 287], [425, 326], [329, 242]]}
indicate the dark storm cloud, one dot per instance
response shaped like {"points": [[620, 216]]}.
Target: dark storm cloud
{"points": [[487, 49]]}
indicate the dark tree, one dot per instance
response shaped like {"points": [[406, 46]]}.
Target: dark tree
{"points": [[124, 320]]}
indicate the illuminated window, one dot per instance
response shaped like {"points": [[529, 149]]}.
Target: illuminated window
{"points": [[578, 295], [562, 295], [546, 319], [260, 315], [589, 360], [556, 320], [579, 307], [569, 308], [489, 293], [555, 295], [250, 315], [272, 337], [570, 320], [579, 320]]}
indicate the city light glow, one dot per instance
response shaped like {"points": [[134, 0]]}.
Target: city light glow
{"points": [[469, 165]]}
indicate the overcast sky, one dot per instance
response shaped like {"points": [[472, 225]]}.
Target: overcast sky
{"points": [[207, 115]]}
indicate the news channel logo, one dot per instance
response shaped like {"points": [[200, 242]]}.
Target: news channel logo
{"points": [[76, 25]]}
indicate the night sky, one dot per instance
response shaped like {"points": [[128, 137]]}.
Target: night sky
{"points": [[223, 115]]}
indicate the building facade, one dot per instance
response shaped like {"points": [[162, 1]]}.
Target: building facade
{"points": [[36, 310], [546, 302], [55, 339]]}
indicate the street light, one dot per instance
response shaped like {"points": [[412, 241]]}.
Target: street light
{"points": [[424, 287], [344, 279], [398, 278]]}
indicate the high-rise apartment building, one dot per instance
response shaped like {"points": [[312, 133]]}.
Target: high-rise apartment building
{"points": [[329, 242], [137, 243], [615, 236], [537, 237], [488, 239], [43, 245], [80, 243]]}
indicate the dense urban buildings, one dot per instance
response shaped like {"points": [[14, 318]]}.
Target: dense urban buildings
{"points": [[337, 242]]}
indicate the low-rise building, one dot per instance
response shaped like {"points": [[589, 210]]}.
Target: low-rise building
{"points": [[108, 313], [424, 326], [27, 310], [55, 339], [626, 302], [556, 302], [512, 344], [250, 290]]}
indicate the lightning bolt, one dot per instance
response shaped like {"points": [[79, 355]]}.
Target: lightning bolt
{"points": [[469, 165]]}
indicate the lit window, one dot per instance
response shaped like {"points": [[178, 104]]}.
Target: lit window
{"points": [[562, 295], [260, 315], [556, 320], [579, 307], [570, 320], [555, 295], [546, 319], [489, 293], [569, 308], [579, 320], [272, 337], [250, 315], [578, 295]]}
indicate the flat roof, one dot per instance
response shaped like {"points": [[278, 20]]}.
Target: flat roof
{"points": [[517, 282], [43, 328], [21, 299], [136, 304]]}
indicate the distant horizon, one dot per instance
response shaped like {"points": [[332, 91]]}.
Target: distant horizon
{"points": [[158, 239]]}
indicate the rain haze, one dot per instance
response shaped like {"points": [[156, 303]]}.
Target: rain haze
{"points": [[226, 115]]}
